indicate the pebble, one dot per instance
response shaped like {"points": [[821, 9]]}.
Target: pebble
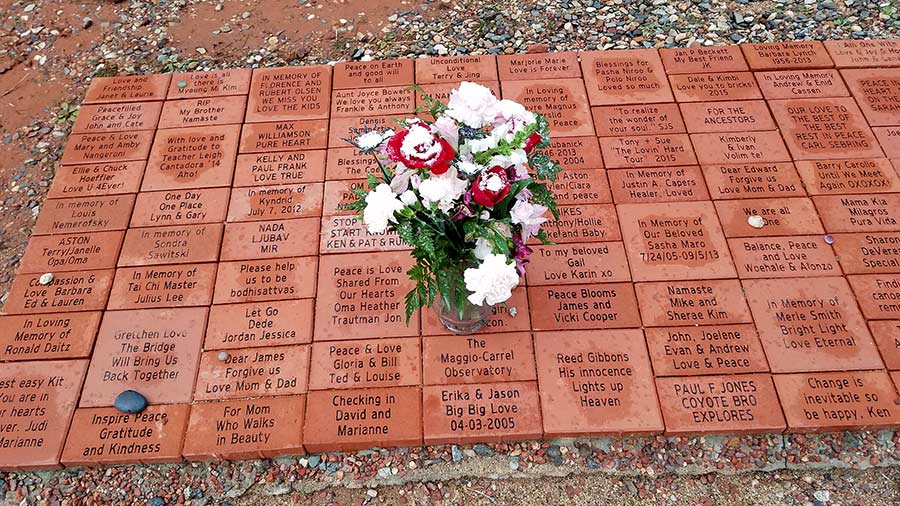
{"points": [[756, 221], [46, 279], [130, 401]]}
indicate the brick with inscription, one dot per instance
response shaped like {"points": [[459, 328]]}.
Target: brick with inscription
{"points": [[179, 244], [878, 295], [485, 412], [482, 358], [743, 147], [887, 337], [126, 117], [265, 280], [257, 203], [575, 153], [647, 119], [864, 53], [441, 91], [647, 151], [283, 136], [808, 54], [69, 291], [816, 129], [195, 112], [739, 404], [245, 429], [596, 383], [859, 213], [104, 90], [780, 216], [785, 84], [594, 306], [699, 59], [510, 318], [198, 157], [372, 74], [562, 102], [43, 337], [107, 147], [366, 363], [753, 180], [581, 186], [848, 176], [286, 167], [889, 138], [711, 302], [162, 286], [252, 372], [514, 67], [567, 264], [211, 83], [97, 179], [339, 195], [154, 352], [37, 400], [625, 77], [289, 93], [877, 91], [362, 295], [811, 326], [868, 253], [838, 401], [453, 69], [783, 257], [180, 207], [678, 240], [716, 349], [107, 436], [341, 129], [737, 116], [718, 86], [357, 419], [270, 239], [84, 214], [347, 234], [585, 223], [657, 184], [258, 324], [349, 163], [71, 252], [372, 101]]}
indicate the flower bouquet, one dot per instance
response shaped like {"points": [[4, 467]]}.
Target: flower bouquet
{"points": [[467, 192]]}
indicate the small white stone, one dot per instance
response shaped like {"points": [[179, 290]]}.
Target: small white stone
{"points": [[223, 355], [201, 50], [372, 492], [45, 279], [756, 221]]}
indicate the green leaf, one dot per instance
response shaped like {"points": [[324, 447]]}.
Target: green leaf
{"points": [[543, 195]]}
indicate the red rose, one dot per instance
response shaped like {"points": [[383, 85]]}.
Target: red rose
{"points": [[532, 141], [417, 148], [490, 187]]}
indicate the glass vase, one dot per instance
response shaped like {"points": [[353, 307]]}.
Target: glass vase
{"points": [[466, 320]]}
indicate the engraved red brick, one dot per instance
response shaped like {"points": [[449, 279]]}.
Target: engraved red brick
{"points": [[848, 176], [54, 336], [38, 399], [566, 264], [877, 91], [562, 102], [260, 203], [753, 180], [680, 240], [744, 403], [349, 163], [441, 91], [339, 195], [366, 363], [647, 151], [594, 306], [69, 291], [96, 179], [252, 372], [658, 184], [737, 116], [744, 147], [514, 67], [346, 234], [162, 286], [180, 244], [213, 83], [104, 90], [877, 295], [454, 69], [180, 207], [816, 129], [71, 252], [107, 436], [84, 214], [693, 351], [837, 401], [283, 136], [265, 280], [107, 147], [868, 253], [372, 101], [575, 153], [195, 112], [811, 326], [258, 324], [511, 318], [572, 400], [859, 213], [482, 358], [154, 352], [717, 86], [864, 53], [341, 129], [117, 117], [809, 54], [595, 222], [245, 429], [780, 216], [647, 119], [270, 239], [889, 138], [783, 257], [486, 412], [198, 157], [289, 93], [697, 59], [287, 167], [785, 84], [581, 186], [711, 302], [625, 77], [887, 337], [371, 74], [349, 420]]}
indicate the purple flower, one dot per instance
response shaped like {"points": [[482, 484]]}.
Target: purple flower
{"points": [[521, 254]]}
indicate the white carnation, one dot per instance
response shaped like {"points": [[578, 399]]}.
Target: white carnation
{"points": [[443, 189], [369, 140], [408, 197], [509, 111], [381, 205], [470, 168], [492, 282], [472, 104]]}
